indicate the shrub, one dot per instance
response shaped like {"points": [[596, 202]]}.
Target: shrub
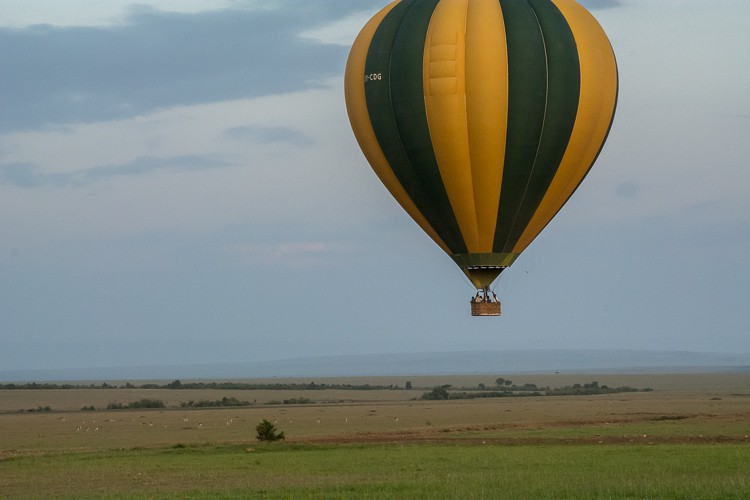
{"points": [[147, 403], [225, 401], [40, 408], [267, 431], [143, 403], [297, 401], [437, 393]]}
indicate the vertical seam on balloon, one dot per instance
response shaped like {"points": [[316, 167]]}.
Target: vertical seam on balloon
{"points": [[541, 132], [466, 117]]}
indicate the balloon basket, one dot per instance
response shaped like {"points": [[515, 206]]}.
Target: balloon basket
{"points": [[485, 308], [485, 303]]}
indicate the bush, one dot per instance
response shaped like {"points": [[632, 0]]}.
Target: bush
{"points": [[438, 393], [297, 401], [225, 401], [40, 408], [143, 403], [267, 431]]}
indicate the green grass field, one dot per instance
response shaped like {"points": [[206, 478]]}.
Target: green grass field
{"points": [[689, 438], [390, 470]]}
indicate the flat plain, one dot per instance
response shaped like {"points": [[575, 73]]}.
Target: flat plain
{"points": [[687, 438]]}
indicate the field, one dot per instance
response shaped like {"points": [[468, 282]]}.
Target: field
{"points": [[688, 438]]}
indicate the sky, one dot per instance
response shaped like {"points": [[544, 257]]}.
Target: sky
{"points": [[179, 184]]}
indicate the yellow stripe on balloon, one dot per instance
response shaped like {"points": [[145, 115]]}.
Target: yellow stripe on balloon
{"points": [[466, 99], [487, 111], [444, 80]]}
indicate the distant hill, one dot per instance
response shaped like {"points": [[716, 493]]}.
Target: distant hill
{"points": [[436, 363]]}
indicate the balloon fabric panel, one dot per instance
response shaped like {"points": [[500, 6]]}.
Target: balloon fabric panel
{"points": [[554, 99], [599, 88], [396, 105]]}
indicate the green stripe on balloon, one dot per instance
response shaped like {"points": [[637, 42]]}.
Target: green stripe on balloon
{"points": [[527, 95], [397, 113], [563, 89]]}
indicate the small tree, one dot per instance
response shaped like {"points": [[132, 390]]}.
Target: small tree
{"points": [[499, 381], [408, 385], [267, 431]]}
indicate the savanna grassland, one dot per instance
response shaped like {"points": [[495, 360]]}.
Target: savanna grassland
{"points": [[688, 438]]}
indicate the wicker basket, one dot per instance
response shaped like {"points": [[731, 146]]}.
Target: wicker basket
{"points": [[485, 308]]}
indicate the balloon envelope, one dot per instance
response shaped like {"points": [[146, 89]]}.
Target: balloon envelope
{"points": [[481, 117]]}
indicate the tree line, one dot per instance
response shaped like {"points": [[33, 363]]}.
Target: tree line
{"points": [[527, 390], [177, 384]]}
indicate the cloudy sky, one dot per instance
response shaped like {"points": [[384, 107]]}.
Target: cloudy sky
{"points": [[179, 184]]}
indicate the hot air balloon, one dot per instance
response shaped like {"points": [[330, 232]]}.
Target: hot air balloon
{"points": [[481, 117]]}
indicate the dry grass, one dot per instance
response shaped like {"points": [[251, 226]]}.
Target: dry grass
{"points": [[724, 400], [75, 399], [667, 385]]}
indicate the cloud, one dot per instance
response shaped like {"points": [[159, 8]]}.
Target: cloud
{"points": [[26, 175], [74, 74], [300, 254], [600, 4], [268, 135], [341, 31]]}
